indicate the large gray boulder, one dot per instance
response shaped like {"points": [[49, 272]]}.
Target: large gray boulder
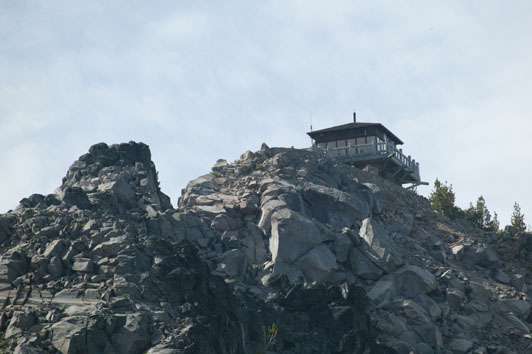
{"points": [[377, 246], [292, 236], [131, 335], [362, 266], [121, 190], [411, 281], [482, 255], [335, 207], [75, 196], [317, 264], [20, 321], [13, 264]]}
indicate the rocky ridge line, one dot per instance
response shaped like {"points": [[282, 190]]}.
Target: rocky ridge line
{"points": [[339, 260]]}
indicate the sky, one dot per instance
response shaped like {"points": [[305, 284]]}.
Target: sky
{"points": [[203, 80]]}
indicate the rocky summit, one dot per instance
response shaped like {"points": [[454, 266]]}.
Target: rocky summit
{"points": [[282, 251]]}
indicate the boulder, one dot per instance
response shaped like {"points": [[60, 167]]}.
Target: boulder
{"points": [[232, 263], [378, 247], [412, 281], [121, 190], [20, 321], [481, 255], [83, 265], [5, 227], [460, 346], [111, 247], [55, 267], [292, 236], [335, 207], [54, 248], [317, 264], [13, 264], [75, 196], [131, 334], [362, 266]]}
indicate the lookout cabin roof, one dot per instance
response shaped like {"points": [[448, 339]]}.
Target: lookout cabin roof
{"points": [[354, 129]]}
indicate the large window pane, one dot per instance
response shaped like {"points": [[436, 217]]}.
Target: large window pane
{"points": [[331, 144], [351, 142], [361, 141], [340, 143]]}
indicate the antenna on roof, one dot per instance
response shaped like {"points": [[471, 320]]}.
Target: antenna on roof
{"points": [[354, 116], [310, 121]]}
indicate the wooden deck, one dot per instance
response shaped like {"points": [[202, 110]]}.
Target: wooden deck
{"points": [[390, 161]]}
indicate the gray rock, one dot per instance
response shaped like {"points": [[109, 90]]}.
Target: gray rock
{"points": [[382, 291], [292, 236], [460, 346], [111, 247], [54, 248], [5, 227], [20, 321], [336, 208], [75, 196], [501, 277], [55, 267], [131, 336], [341, 247], [412, 281], [25, 348], [255, 247], [362, 266], [84, 265], [232, 263], [519, 308], [509, 320], [219, 165], [317, 264], [458, 251], [291, 272], [69, 336], [455, 298], [13, 264], [121, 190], [378, 247], [484, 256]]}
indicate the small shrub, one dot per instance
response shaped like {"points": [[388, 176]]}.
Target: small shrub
{"points": [[259, 166], [269, 335]]}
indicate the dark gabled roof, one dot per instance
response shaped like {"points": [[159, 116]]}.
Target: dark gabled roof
{"points": [[356, 126]]}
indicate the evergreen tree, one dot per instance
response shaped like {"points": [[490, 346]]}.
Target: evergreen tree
{"points": [[495, 224], [442, 199], [518, 218], [480, 216]]}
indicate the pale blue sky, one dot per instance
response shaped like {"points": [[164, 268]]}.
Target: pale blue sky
{"points": [[198, 81]]}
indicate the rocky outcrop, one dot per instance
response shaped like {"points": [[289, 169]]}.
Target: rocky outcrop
{"points": [[283, 251]]}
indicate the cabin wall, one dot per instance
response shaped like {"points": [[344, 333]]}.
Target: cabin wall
{"points": [[347, 138]]}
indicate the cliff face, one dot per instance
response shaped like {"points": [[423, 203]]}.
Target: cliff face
{"points": [[282, 251]]}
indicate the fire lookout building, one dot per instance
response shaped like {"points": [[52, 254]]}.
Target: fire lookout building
{"points": [[371, 146]]}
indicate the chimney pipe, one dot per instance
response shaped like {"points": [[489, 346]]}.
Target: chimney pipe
{"points": [[354, 117]]}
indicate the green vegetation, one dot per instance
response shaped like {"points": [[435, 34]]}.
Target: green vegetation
{"points": [[269, 335], [442, 199], [480, 216], [518, 218]]}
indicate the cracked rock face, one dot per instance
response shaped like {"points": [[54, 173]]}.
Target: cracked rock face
{"points": [[283, 251]]}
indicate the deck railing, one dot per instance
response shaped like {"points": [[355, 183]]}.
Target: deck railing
{"points": [[382, 148]]}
